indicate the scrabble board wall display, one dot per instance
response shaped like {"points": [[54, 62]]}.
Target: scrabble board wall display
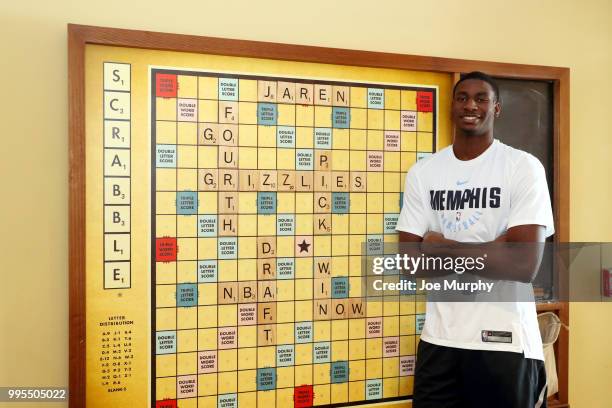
{"points": [[228, 200]]}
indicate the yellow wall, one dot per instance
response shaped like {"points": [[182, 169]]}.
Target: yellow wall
{"points": [[34, 140]]}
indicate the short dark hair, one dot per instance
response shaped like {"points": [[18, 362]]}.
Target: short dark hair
{"points": [[482, 77]]}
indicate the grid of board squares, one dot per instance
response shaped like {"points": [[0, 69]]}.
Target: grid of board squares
{"points": [[265, 191]]}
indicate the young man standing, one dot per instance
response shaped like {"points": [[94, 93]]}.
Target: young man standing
{"points": [[459, 362]]}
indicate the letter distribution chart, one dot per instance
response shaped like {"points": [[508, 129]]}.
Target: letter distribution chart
{"points": [[263, 191]]}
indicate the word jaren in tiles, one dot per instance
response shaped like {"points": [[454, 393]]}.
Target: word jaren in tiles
{"points": [[264, 191]]}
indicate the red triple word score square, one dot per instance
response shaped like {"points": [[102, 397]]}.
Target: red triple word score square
{"points": [[165, 249], [166, 85], [165, 404], [303, 396], [424, 101]]}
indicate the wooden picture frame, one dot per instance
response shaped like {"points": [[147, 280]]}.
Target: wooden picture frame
{"points": [[79, 36]]}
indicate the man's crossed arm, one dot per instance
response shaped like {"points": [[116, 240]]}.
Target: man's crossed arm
{"points": [[518, 260]]}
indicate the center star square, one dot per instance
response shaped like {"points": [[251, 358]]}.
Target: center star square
{"points": [[304, 246]]}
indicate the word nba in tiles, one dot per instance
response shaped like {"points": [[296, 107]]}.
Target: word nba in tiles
{"points": [[264, 190]]}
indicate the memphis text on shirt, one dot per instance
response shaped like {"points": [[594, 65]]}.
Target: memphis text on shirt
{"points": [[477, 197]]}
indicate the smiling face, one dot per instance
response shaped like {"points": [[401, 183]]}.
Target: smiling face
{"points": [[475, 107]]}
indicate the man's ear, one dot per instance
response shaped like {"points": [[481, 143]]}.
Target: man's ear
{"points": [[497, 109]]}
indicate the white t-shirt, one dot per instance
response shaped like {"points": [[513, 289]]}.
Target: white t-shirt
{"points": [[507, 188]]}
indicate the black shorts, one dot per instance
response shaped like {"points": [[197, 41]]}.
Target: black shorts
{"points": [[448, 377]]}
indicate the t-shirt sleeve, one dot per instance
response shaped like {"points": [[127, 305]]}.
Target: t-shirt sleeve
{"points": [[530, 200], [413, 217]]}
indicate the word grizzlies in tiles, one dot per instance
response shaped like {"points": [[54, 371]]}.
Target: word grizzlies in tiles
{"points": [[264, 190]]}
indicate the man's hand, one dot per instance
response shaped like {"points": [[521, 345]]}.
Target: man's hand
{"points": [[518, 260], [432, 237]]}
